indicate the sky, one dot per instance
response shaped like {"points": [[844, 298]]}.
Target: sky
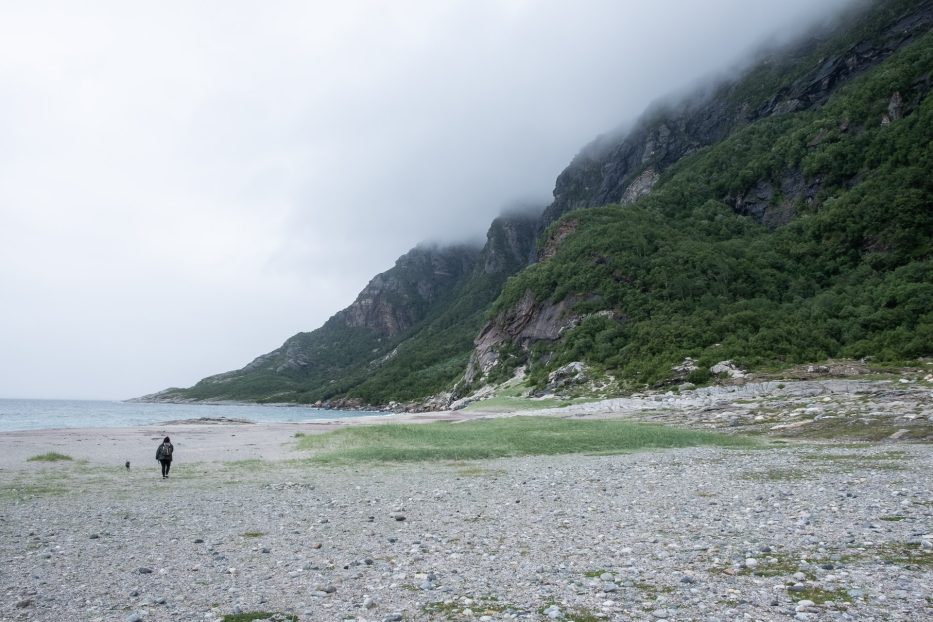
{"points": [[184, 185]]}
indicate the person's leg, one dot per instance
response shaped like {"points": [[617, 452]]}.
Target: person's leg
{"points": [[168, 467], [164, 469]]}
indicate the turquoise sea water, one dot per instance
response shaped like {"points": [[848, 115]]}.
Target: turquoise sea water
{"points": [[51, 414]]}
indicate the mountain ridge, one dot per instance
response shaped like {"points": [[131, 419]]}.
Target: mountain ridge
{"points": [[779, 148]]}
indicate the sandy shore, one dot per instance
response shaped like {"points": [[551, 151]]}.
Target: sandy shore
{"points": [[194, 442]]}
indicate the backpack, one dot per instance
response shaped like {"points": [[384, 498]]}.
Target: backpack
{"points": [[166, 451]]}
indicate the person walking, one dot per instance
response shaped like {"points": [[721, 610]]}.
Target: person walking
{"points": [[164, 455]]}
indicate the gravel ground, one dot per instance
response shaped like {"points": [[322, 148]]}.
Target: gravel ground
{"points": [[800, 531]]}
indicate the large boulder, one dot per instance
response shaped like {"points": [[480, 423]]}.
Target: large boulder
{"points": [[727, 368]]}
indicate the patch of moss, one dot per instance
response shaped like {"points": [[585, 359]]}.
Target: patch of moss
{"points": [[650, 590], [775, 475], [820, 596], [581, 614], [775, 565], [449, 610], [482, 606], [251, 616], [911, 556]]}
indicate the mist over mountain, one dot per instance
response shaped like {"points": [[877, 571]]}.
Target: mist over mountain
{"points": [[776, 218]]}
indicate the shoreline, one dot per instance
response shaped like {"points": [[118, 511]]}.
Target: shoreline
{"points": [[194, 441], [806, 409]]}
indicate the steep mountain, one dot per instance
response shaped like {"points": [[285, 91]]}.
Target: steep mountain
{"points": [[767, 229], [407, 335], [778, 218]]}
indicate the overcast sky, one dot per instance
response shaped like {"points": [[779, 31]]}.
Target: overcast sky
{"points": [[184, 185]]}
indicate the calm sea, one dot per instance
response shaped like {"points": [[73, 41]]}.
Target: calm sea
{"points": [[46, 414]]}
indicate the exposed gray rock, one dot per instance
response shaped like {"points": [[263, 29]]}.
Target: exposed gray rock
{"points": [[727, 368], [528, 322], [569, 375], [641, 185], [684, 369]]}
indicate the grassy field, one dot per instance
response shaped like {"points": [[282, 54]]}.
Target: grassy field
{"points": [[496, 438]]}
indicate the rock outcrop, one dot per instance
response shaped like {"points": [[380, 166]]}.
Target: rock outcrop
{"points": [[510, 243], [527, 322], [397, 299]]}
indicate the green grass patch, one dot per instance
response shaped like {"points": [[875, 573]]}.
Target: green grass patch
{"points": [[907, 555], [652, 591], [775, 475], [477, 471], [774, 565], [450, 610], [22, 492], [259, 615], [496, 438], [851, 462], [877, 457], [52, 456], [252, 534], [582, 615], [820, 596], [892, 518]]}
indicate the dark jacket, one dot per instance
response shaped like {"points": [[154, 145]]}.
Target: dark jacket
{"points": [[165, 451]]}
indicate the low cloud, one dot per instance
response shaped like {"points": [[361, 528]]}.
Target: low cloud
{"points": [[184, 185]]}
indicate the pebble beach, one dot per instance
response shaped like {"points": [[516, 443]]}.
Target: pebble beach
{"points": [[798, 530]]}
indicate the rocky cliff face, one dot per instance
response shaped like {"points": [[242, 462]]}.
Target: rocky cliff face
{"points": [[397, 299], [524, 324], [510, 243], [390, 305]]}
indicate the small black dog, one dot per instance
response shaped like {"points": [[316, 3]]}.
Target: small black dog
{"points": [[127, 465]]}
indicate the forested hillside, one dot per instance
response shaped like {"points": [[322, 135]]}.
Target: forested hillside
{"points": [[781, 218]]}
